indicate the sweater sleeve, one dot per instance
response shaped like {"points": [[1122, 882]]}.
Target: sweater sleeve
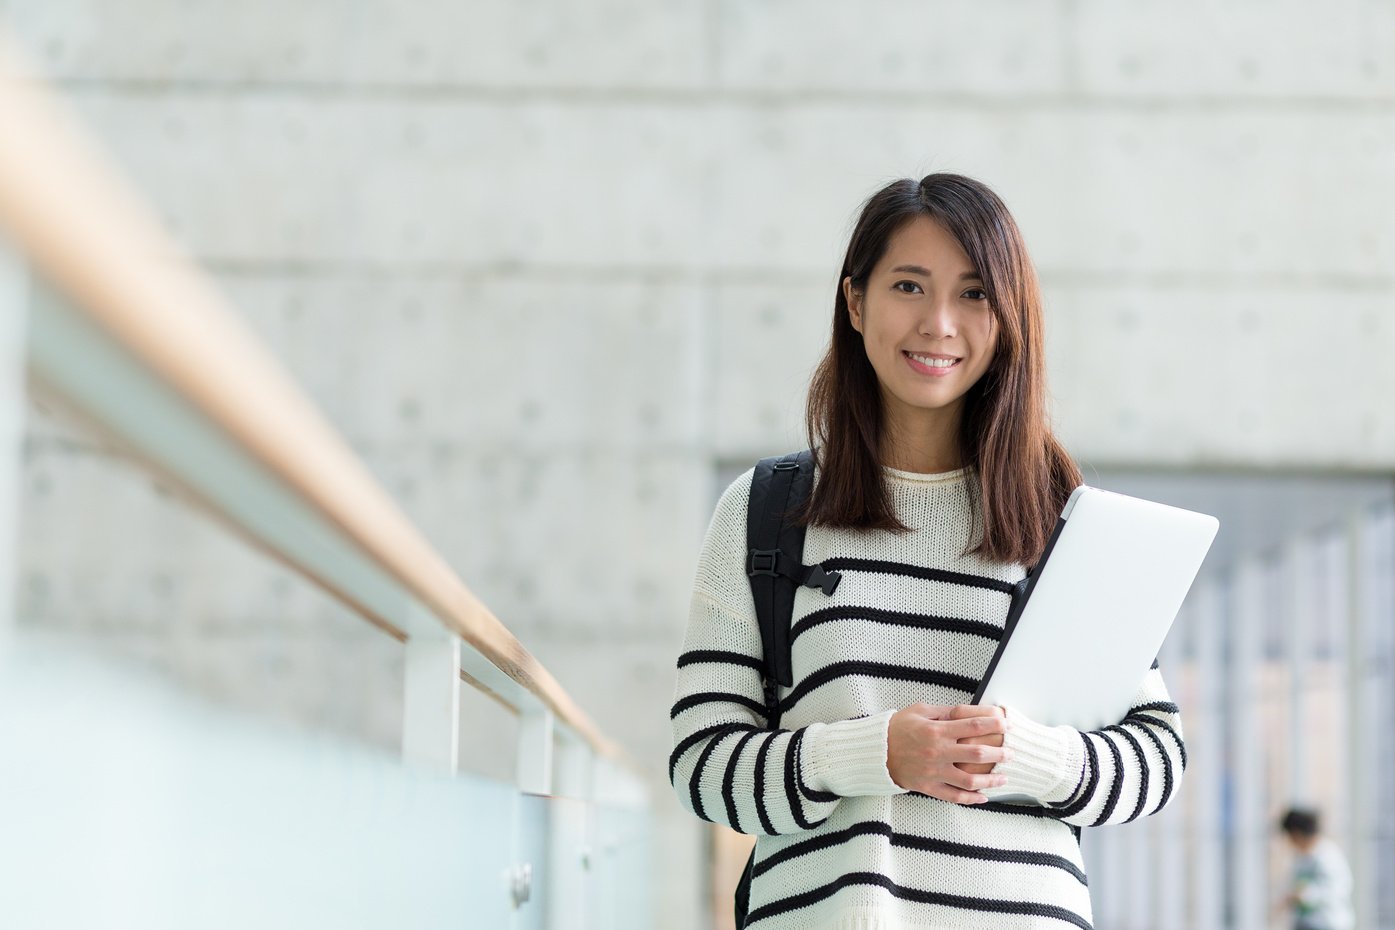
{"points": [[726, 766], [1115, 774]]}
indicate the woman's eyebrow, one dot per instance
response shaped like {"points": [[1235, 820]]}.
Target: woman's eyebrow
{"points": [[925, 272]]}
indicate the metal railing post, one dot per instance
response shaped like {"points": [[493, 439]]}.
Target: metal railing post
{"points": [[431, 704]]}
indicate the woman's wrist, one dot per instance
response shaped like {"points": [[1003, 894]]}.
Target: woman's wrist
{"points": [[1046, 762], [849, 757]]}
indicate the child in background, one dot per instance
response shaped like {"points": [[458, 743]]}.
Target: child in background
{"points": [[1320, 893]]}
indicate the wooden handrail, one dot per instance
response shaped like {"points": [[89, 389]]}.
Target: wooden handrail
{"points": [[90, 235]]}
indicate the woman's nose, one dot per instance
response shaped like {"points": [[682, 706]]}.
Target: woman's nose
{"points": [[939, 321]]}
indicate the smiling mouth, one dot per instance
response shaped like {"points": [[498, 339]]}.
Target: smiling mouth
{"points": [[931, 365]]}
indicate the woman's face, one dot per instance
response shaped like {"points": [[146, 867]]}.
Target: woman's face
{"points": [[924, 302]]}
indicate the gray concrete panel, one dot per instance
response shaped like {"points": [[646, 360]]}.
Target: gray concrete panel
{"points": [[1009, 49], [532, 360], [1224, 374], [767, 338], [276, 178], [421, 45], [1098, 190], [1252, 48]]}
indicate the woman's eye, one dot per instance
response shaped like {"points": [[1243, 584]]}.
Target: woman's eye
{"points": [[912, 284], [977, 290]]}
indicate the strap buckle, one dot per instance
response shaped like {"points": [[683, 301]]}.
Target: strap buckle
{"points": [[826, 581], [762, 562]]}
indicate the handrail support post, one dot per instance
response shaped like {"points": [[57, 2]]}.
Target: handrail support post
{"points": [[431, 702]]}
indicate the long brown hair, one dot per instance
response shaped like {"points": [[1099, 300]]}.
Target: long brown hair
{"points": [[1024, 475]]}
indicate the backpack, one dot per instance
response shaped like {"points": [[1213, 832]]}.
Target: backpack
{"points": [[774, 564]]}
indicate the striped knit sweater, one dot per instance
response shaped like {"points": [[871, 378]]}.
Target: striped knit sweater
{"points": [[840, 844]]}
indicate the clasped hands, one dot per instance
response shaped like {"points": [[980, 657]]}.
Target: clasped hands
{"points": [[947, 752]]}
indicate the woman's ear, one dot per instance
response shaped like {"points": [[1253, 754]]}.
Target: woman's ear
{"points": [[854, 301]]}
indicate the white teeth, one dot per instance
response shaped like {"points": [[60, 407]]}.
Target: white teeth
{"points": [[933, 362]]}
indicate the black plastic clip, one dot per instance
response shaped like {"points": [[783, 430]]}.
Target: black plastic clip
{"points": [[762, 562], [818, 578]]}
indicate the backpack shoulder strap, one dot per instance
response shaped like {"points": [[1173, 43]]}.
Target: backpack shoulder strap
{"points": [[774, 560]]}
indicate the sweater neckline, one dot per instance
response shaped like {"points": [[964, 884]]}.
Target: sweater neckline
{"points": [[926, 476]]}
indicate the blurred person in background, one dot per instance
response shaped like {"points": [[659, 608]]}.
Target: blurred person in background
{"points": [[1319, 893], [937, 480]]}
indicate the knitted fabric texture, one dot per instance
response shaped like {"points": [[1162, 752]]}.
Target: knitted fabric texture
{"points": [[839, 844]]}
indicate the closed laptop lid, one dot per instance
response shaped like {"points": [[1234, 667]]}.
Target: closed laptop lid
{"points": [[1097, 608]]}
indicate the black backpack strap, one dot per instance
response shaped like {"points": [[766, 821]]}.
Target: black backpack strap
{"points": [[774, 556], [774, 563]]}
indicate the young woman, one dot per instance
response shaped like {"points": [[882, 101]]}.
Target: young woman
{"points": [[937, 482]]}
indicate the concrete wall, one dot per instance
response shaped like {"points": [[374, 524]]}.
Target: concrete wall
{"points": [[550, 264]]}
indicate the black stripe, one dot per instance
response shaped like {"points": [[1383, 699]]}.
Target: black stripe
{"points": [[1166, 707], [1142, 769], [999, 807], [693, 738], [990, 854], [711, 697], [1181, 747], [718, 655], [822, 841], [923, 843], [1112, 801], [836, 670], [1167, 763], [917, 571], [760, 783], [728, 779], [897, 618], [1079, 784], [1002, 807], [810, 793], [1153, 666], [695, 780], [792, 792], [815, 795], [1030, 810], [983, 905], [1093, 766]]}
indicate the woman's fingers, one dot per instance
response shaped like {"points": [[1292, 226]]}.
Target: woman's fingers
{"points": [[959, 778], [977, 752], [933, 711], [961, 788], [961, 711], [947, 752], [955, 795], [973, 726]]}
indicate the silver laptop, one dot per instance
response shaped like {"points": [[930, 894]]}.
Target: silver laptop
{"points": [[1096, 609]]}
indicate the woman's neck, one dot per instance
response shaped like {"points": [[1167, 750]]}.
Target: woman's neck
{"points": [[923, 461], [929, 445]]}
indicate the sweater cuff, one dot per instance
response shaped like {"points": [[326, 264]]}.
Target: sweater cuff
{"points": [[1046, 762], [848, 757]]}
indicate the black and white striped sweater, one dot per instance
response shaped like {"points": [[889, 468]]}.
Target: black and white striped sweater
{"points": [[839, 844]]}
